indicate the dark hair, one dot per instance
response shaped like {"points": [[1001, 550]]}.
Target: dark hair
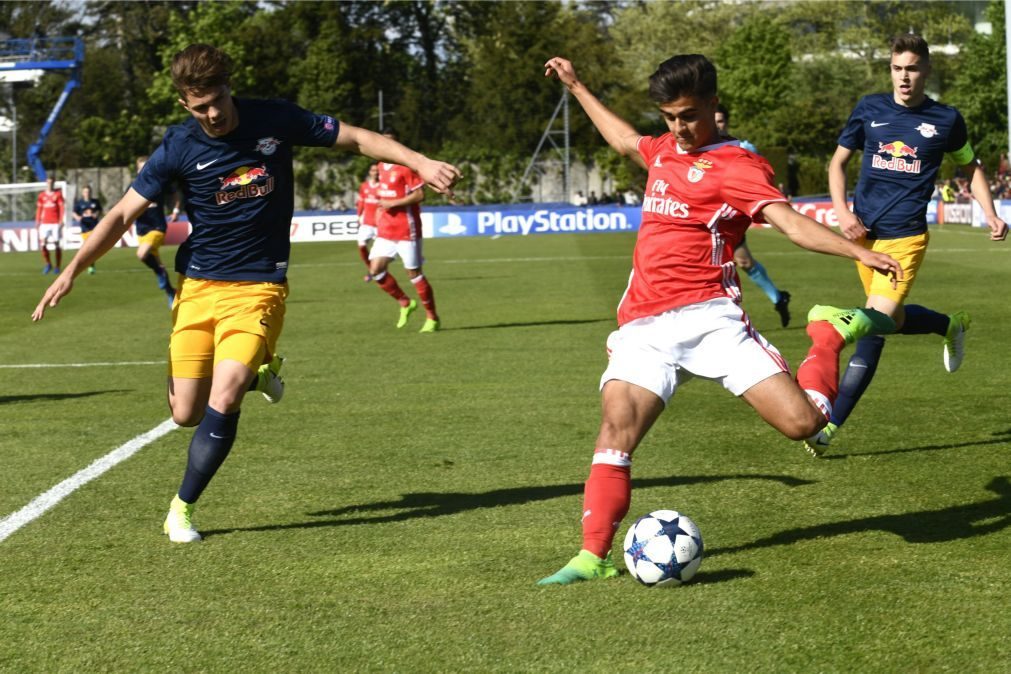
{"points": [[389, 131], [683, 75], [200, 66], [910, 42], [723, 110]]}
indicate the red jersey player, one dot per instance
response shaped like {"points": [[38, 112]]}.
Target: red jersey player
{"points": [[680, 315], [49, 221], [368, 199], [398, 220]]}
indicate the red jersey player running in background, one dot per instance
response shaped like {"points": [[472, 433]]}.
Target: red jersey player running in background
{"points": [[368, 199], [680, 315], [49, 219], [398, 219]]}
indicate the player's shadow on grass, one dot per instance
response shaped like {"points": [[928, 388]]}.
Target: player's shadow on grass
{"points": [[924, 526], [440, 504], [534, 324], [999, 440], [32, 397]]}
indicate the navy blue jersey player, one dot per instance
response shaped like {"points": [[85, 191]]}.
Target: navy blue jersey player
{"points": [[904, 136], [87, 211], [151, 227], [233, 162]]}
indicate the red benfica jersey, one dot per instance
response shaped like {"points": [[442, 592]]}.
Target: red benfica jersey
{"points": [[367, 199], [49, 208], [399, 224], [696, 209]]}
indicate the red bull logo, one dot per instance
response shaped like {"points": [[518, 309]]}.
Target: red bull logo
{"points": [[244, 179], [900, 153]]}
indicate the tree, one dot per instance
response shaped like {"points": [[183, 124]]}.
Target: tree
{"points": [[980, 88]]}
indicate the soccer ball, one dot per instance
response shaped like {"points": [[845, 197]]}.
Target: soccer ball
{"points": [[663, 548]]}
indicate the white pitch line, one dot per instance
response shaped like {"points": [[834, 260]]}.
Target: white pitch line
{"points": [[27, 366], [47, 500]]}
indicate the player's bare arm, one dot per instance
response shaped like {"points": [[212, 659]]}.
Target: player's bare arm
{"points": [[440, 175], [850, 224], [980, 188], [814, 236], [618, 133], [105, 235]]}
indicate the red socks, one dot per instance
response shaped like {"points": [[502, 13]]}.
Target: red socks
{"points": [[392, 288], [819, 373], [426, 295], [606, 498], [363, 253]]}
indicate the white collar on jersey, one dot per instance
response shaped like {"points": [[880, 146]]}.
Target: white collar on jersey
{"points": [[707, 148]]}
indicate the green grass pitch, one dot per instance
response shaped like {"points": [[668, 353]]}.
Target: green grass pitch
{"points": [[395, 510]]}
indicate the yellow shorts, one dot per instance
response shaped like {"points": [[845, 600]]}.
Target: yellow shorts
{"points": [[224, 320], [154, 238], [85, 235], [908, 252]]}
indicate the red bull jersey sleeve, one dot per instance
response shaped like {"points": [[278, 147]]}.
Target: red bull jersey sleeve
{"points": [[902, 152], [239, 188]]}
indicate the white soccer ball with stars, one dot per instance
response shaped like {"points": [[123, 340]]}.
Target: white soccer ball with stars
{"points": [[663, 548]]}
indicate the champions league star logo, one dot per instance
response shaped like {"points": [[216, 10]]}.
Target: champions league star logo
{"points": [[267, 146]]}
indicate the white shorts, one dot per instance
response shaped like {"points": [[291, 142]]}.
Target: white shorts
{"points": [[712, 339], [49, 234], [365, 234], [408, 251]]}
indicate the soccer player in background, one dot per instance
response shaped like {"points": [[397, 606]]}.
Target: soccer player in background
{"points": [[366, 204], [904, 136], [233, 162], [398, 220], [680, 315], [151, 227], [742, 254], [87, 211], [49, 221]]}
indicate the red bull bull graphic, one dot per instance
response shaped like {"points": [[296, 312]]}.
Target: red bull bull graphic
{"points": [[900, 153], [244, 179]]}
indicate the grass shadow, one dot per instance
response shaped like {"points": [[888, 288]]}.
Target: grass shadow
{"points": [[1006, 439], [440, 504], [534, 324], [33, 397], [924, 526]]}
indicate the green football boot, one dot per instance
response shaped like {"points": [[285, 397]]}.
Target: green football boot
{"points": [[818, 443], [852, 324], [179, 522], [584, 566], [954, 340], [405, 313], [268, 381], [431, 325]]}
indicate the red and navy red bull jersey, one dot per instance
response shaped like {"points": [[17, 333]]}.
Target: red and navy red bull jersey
{"points": [[696, 209], [153, 217], [903, 148], [239, 189]]}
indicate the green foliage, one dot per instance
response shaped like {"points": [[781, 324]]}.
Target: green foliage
{"points": [[980, 89]]}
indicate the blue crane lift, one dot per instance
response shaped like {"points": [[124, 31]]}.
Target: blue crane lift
{"points": [[25, 60]]}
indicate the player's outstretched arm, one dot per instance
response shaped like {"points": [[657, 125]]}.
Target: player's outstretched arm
{"points": [[105, 235], [440, 175], [618, 133], [814, 236], [851, 226], [980, 188]]}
